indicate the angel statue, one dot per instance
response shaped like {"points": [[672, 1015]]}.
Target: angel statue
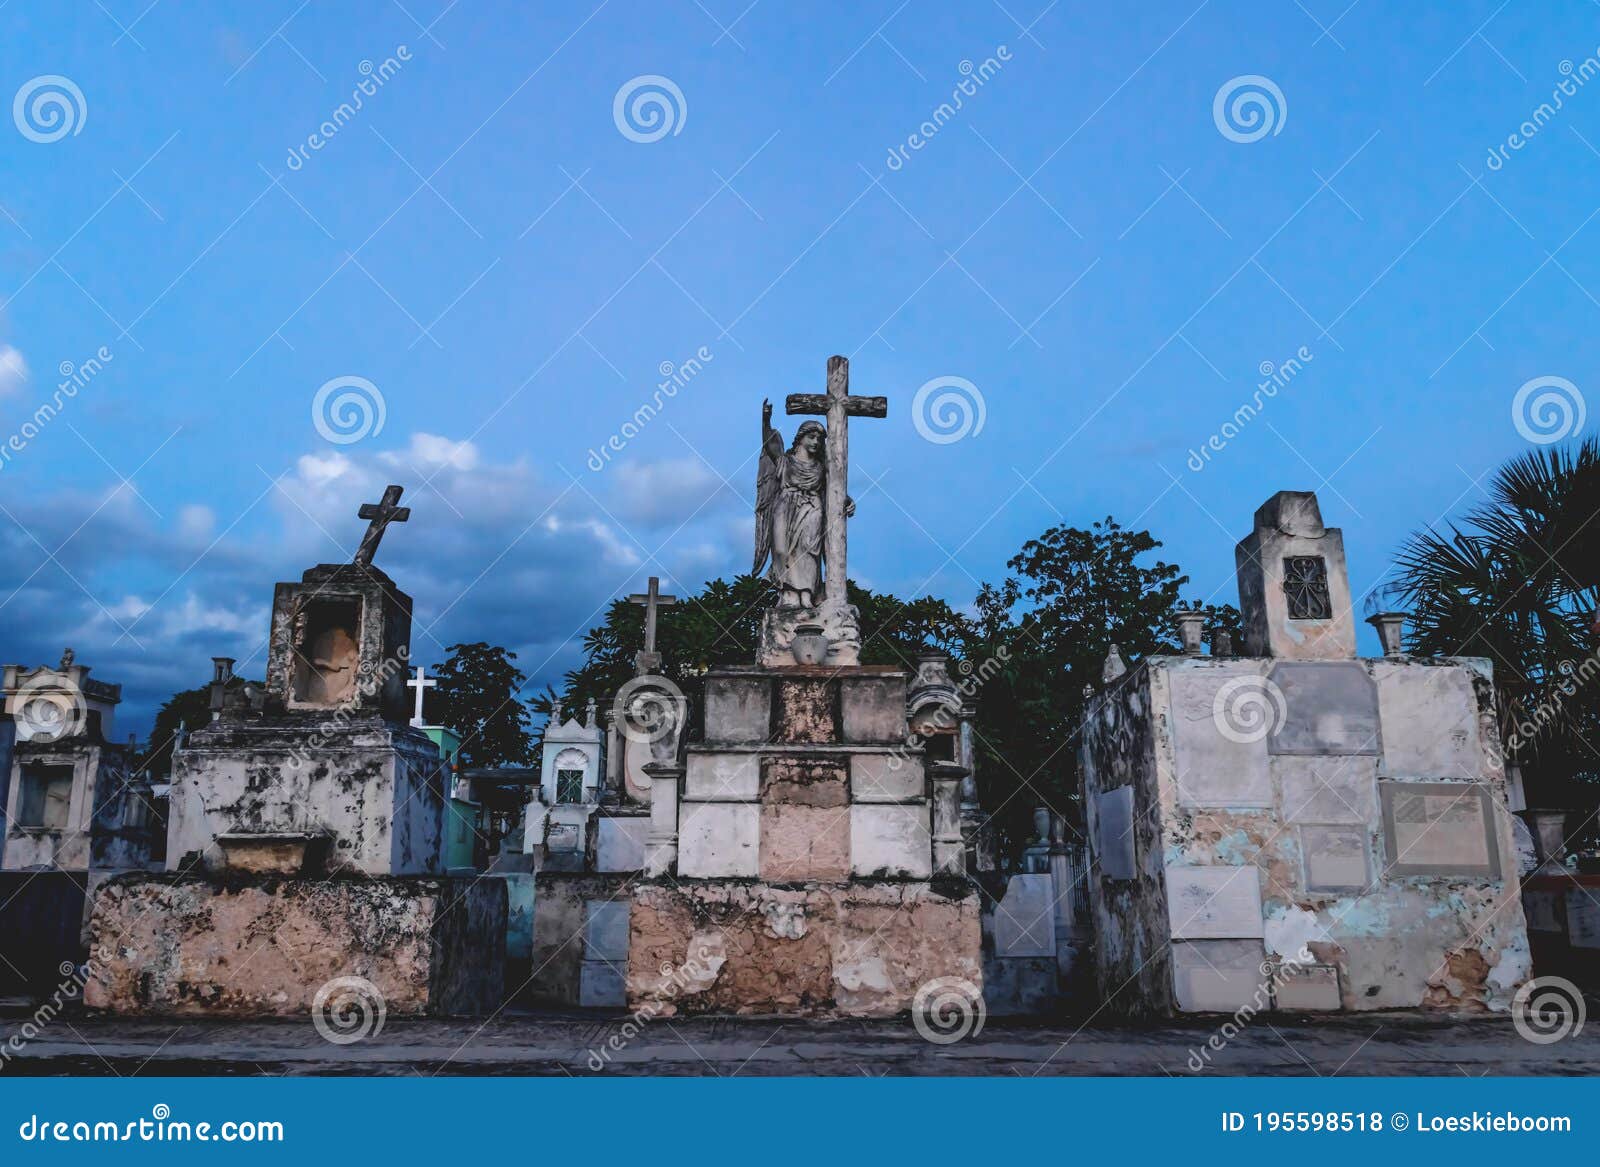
{"points": [[790, 488]]}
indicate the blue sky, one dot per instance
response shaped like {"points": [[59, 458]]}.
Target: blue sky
{"points": [[508, 269]]}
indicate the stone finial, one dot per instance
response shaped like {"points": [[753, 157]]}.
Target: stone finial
{"points": [[1114, 667], [1294, 586]]}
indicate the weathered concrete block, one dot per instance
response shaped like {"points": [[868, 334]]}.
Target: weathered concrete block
{"points": [[1025, 919], [602, 985], [857, 950], [1205, 903], [738, 709], [1330, 707], [1336, 858], [874, 709], [719, 840], [1327, 790], [1430, 721], [1220, 976], [264, 947], [887, 778], [605, 930], [804, 782], [722, 777], [562, 904], [806, 710], [804, 843], [891, 840], [1307, 988], [1020, 986]]}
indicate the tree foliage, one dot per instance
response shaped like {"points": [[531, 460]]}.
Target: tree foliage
{"points": [[479, 695]]}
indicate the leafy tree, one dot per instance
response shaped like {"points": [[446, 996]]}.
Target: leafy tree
{"points": [[1516, 581], [479, 696], [189, 710]]}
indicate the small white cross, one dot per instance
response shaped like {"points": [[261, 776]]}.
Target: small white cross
{"points": [[421, 683]]}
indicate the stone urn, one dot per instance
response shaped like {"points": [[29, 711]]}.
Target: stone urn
{"points": [[1190, 624], [810, 645], [1390, 626]]}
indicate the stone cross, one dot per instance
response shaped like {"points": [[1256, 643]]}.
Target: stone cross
{"points": [[836, 405], [380, 515], [652, 600], [421, 683]]}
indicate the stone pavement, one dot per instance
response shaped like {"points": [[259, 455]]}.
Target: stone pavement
{"points": [[546, 1044]]}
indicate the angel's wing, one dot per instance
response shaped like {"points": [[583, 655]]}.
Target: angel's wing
{"points": [[769, 480]]}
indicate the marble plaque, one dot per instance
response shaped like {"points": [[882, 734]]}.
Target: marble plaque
{"points": [[605, 932], [1327, 789], [1583, 918], [1113, 833], [1336, 858], [1430, 721], [1221, 759], [1439, 828], [1329, 708], [1219, 976], [1307, 988], [1025, 920], [1214, 903], [1543, 910], [719, 777]]}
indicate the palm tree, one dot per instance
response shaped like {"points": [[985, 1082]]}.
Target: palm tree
{"points": [[1518, 581]]}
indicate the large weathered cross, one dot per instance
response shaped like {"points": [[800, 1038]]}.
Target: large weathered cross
{"points": [[651, 599], [836, 405], [380, 515]]}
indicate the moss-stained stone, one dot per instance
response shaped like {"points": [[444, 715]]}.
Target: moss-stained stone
{"points": [[804, 782], [806, 710]]}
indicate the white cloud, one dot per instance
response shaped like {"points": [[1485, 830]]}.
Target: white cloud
{"points": [[13, 371], [669, 492]]}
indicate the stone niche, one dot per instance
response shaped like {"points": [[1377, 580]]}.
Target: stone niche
{"points": [[253, 947], [339, 640]]}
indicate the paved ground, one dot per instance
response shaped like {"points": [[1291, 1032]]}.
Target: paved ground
{"points": [[572, 1045]]}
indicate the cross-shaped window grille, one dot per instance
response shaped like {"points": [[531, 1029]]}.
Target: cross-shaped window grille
{"points": [[1305, 586]]}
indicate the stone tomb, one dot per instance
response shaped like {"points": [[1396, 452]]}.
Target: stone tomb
{"points": [[806, 879], [1300, 828], [306, 833]]}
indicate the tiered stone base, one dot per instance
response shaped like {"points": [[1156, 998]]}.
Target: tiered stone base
{"points": [[261, 946], [859, 949]]}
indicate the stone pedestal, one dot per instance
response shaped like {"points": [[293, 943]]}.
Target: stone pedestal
{"points": [[840, 623], [260, 946]]}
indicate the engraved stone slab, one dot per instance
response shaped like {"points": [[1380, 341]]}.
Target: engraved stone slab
{"points": [[1307, 988], [1214, 903], [1025, 919], [719, 840], [1439, 828], [738, 709], [722, 777], [1430, 721], [1583, 919], [1336, 858], [893, 840], [886, 778], [1113, 832], [1327, 790], [1219, 976], [1543, 910], [1217, 768], [1328, 708]]}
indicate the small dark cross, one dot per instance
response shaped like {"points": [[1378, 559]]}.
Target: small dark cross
{"points": [[651, 600], [379, 516]]}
